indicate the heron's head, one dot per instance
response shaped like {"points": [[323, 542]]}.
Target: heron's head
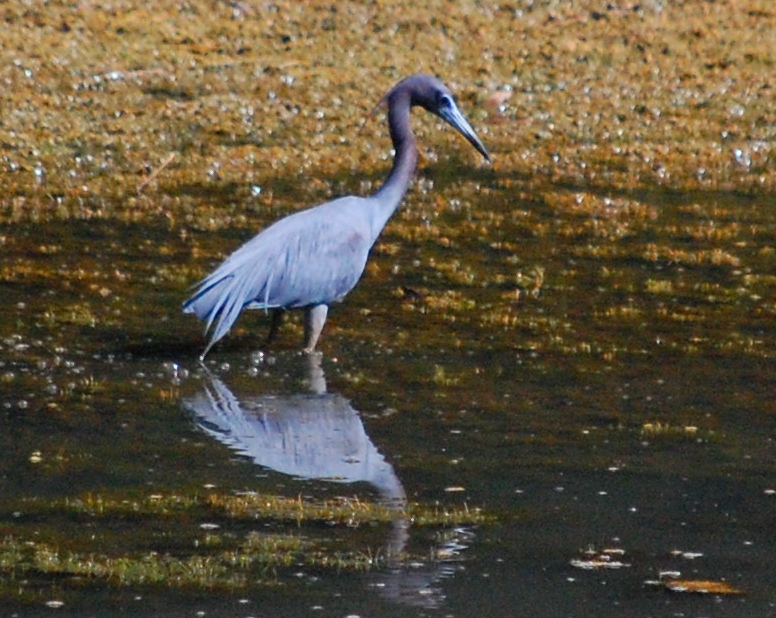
{"points": [[431, 94]]}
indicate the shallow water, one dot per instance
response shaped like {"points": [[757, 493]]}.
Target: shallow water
{"points": [[624, 402]]}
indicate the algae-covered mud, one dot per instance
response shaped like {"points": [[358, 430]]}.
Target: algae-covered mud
{"points": [[550, 395]]}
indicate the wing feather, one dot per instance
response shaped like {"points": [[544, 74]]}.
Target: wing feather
{"points": [[312, 257]]}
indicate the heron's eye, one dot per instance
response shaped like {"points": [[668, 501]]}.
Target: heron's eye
{"points": [[445, 101]]}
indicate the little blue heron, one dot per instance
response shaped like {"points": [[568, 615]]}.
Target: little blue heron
{"points": [[314, 257]]}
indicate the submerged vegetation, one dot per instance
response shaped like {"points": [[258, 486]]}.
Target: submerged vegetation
{"points": [[212, 540]]}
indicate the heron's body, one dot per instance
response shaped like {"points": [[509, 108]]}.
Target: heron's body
{"points": [[314, 257]]}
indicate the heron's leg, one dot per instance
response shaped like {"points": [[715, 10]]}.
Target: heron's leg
{"points": [[274, 326], [314, 319]]}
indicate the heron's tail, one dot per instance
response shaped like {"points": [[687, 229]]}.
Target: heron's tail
{"points": [[219, 301]]}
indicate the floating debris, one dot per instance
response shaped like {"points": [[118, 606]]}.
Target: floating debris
{"points": [[605, 559], [655, 429], [688, 555], [55, 604]]}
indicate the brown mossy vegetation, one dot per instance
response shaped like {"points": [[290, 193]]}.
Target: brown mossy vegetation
{"points": [[189, 118], [623, 97]]}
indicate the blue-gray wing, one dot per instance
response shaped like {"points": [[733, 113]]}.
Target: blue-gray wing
{"points": [[312, 257]]}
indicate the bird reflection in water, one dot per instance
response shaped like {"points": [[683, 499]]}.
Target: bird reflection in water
{"points": [[319, 436]]}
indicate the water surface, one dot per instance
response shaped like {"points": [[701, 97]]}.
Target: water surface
{"points": [[625, 403]]}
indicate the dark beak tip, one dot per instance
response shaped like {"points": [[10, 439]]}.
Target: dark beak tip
{"points": [[480, 147]]}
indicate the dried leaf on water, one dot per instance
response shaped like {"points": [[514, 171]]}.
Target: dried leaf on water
{"points": [[701, 586]]}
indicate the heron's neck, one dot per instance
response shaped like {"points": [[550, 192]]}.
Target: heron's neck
{"points": [[390, 195]]}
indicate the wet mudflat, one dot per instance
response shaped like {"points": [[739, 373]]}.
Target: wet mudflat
{"points": [[551, 395]]}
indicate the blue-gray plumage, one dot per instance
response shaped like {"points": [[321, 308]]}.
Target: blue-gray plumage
{"points": [[314, 257]]}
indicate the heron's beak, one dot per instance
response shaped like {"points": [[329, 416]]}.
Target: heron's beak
{"points": [[453, 116]]}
